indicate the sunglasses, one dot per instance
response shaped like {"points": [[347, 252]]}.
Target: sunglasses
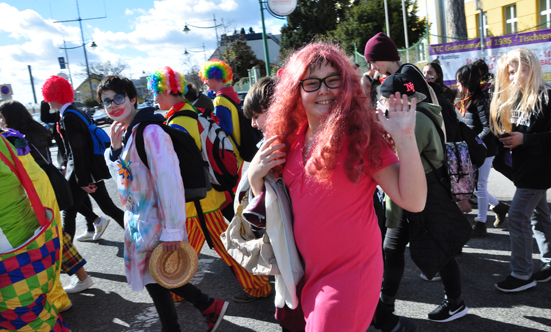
{"points": [[314, 84], [118, 99]]}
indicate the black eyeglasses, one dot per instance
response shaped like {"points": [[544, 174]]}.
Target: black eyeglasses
{"points": [[118, 99], [314, 84]]}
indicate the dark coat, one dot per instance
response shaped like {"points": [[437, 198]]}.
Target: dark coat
{"points": [[82, 165], [479, 122], [532, 159]]}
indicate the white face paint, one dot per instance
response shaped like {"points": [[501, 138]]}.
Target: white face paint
{"points": [[117, 111]]}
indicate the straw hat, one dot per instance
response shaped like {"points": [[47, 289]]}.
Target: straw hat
{"points": [[173, 269]]}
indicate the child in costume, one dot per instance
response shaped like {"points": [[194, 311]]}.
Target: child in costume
{"points": [[153, 198], [85, 171], [30, 246], [216, 74], [169, 87]]}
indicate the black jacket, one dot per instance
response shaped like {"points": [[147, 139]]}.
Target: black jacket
{"points": [[47, 117], [82, 165], [532, 159], [479, 122], [448, 114]]}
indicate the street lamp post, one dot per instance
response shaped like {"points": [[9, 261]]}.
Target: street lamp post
{"points": [[92, 45], [186, 52], [84, 44], [215, 26], [264, 39]]}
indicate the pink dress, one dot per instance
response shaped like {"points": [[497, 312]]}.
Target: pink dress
{"points": [[338, 236]]}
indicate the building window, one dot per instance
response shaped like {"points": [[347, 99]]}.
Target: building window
{"points": [[485, 25], [545, 14], [511, 19]]}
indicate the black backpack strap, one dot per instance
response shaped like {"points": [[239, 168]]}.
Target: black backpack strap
{"points": [[140, 146], [189, 113], [238, 106], [203, 223], [441, 134]]}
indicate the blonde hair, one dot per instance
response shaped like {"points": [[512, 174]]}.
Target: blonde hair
{"points": [[507, 94]]}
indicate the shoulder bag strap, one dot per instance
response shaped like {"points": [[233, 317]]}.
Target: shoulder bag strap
{"points": [[46, 160], [26, 182]]}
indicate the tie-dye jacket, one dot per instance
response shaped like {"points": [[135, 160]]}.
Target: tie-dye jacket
{"points": [[153, 198]]}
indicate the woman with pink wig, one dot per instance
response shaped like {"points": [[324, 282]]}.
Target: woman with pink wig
{"points": [[325, 142]]}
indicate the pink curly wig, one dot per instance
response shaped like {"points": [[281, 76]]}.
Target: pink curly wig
{"points": [[216, 69], [58, 90], [351, 122]]}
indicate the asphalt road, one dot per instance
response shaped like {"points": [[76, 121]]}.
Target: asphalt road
{"points": [[110, 305]]}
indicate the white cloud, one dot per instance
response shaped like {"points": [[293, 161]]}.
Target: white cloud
{"points": [[152, 38]]}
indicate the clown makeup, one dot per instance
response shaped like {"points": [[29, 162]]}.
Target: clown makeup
{"points": [[118, 111], [429, 73]]}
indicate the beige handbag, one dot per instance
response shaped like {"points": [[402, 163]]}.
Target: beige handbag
{"points": [[254, 255]]}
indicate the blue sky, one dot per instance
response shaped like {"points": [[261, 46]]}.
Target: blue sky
{"points": [[144, 34]]}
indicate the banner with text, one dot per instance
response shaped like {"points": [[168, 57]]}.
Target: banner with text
{"points": [[454, 55]]}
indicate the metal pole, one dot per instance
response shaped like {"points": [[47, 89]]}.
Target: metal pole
{"points": [[216, 30], [85, 55], [386, 18], [481, 23], [69, 68], [32, 83], [204, 52], [264, 39], [404, 13]]}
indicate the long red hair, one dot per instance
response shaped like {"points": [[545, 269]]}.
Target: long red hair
{"points": [[351, 120]]}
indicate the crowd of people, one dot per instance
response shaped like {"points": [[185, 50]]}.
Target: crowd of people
{"points": [[339, 140]]}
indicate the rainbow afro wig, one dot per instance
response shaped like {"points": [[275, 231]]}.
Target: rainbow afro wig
{"points": [[58, 90], [167, 80], [216, 69]]}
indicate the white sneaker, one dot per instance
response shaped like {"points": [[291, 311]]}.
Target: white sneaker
{"points": [[77, 286], [100, 227], [436, 277], [67, 307], [86, 237]]}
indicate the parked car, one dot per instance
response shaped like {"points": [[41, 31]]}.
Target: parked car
{"points": [[242, 95], [101, 117]]}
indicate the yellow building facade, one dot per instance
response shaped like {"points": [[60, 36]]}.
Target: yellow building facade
{"points": [[502, 17]]}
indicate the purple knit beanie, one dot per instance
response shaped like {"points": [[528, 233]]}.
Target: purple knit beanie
{"points": [[381, 48]]}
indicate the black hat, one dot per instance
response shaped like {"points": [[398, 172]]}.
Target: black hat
{"points": [[400, 83]]}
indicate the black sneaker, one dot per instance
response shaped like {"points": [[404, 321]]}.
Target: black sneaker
{"points": [[244, 298], [512, 284], [544, 275], [446, 312]]}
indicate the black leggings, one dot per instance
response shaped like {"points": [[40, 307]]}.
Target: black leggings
{"points": [[394, 246], [165, 304], [101, 196]]}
